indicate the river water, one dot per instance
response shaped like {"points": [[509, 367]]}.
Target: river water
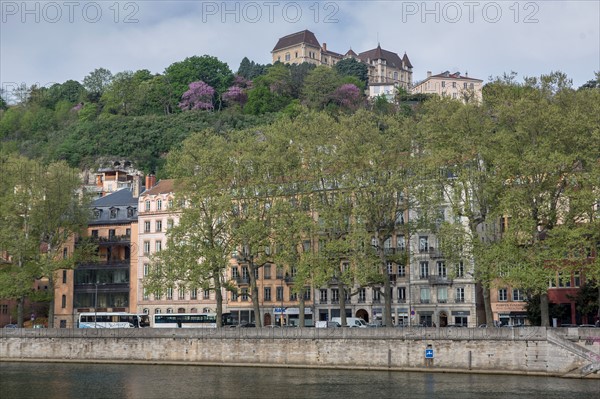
{"points": [[65, 381]]}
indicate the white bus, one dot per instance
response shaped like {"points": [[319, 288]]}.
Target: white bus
{"points": [[112, 320], [188, 320]]}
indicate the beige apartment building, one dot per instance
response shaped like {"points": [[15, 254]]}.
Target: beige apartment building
{"points": [[453, 85]]}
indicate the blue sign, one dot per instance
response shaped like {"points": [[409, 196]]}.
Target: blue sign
{"points": [[428, 353]]}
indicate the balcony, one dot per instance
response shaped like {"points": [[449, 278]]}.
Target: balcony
{"points": [[401, 300], [424, 300], [459, 300], [440, 280], [442, 301], [242, 280], [112, 240], [289, 280], [110, 264], [102, 288]]}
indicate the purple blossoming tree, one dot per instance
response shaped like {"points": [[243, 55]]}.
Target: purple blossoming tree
{"points": [[347, 96], [235, 95], [199, 96]]}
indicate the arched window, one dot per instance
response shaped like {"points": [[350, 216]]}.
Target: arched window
{"points": [[169, 310], [181, 310], [146, 311]]}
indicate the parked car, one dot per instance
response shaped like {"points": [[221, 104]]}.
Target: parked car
{"points": [[11, 326]]}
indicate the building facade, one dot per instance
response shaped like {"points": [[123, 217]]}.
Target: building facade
{"points": [[103, 285], [384, 67], [453, 85]]}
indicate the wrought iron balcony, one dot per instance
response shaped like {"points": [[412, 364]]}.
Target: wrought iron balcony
{"points": [[440, 280]]}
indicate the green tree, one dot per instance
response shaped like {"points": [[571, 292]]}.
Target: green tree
{"points": [[208, 69], [40, 210], [352, 67], [320, 83], [96, 83]]}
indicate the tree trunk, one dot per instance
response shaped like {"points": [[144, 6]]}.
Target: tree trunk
{"points": [[544, 311], [388, 300], [51, 307], [301, 314], [487, 305], [254, 293], [342, 297], [219, 297], [20, 311]]}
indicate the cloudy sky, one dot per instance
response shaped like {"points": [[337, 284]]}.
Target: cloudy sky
{"points": [[50, 42]]}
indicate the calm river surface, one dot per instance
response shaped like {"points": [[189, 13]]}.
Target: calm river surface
{"points": [[65, 381]]}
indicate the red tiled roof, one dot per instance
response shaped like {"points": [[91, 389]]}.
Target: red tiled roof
{"points": [[162, 187], [304, 36]]}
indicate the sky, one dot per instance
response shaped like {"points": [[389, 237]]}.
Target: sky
{"points": [[47, 42]]}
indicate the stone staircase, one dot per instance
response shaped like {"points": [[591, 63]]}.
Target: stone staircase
{"points": [[593, 358]]}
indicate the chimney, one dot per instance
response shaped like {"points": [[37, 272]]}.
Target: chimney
{"points": [[325, 46], [466, 74], [428, 74], [150, 181]]}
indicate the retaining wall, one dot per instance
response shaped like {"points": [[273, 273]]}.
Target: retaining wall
{"points": [[568, 352]]}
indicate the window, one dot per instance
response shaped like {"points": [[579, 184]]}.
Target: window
{"points": [[390, 267], [423, 244], [441, 269], [293, 296], [64, 301], [97, 213], [169, 293], [454, 85], [181, 293], [157, 311], [267, 271], [307, 293], [64, 277], [306, 246], [442, 294], [113, 213], [424, 272], [234, 296], [194, 293], [65, 253], [401, 294], [146, 247], [400, 243], [158, 226], [345, 267], [206, 294], [147, 206], [147, 227], [387, 246], [158, 204], [460, 269], [169, 310], [296, 54], [4, 309], [146, 269], [576, 279], [517, 295], [130, 212], [460, 295], [323, 296], [234, 273], [95, 233], [335, 295], [395, 75], [279, 293], [472, 86], [244, 294], [564, 280], [267, 296], [401, 271], [145, 295], [170, 203], [158, 246], [146, 311], [287, 56], [362, 295], [157, 296], [169, 223], [443, 83], [502, 295], [128, 232], [424, 295]]}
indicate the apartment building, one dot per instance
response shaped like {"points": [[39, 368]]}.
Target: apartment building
{"points": [[102, 285], [453, 85]]}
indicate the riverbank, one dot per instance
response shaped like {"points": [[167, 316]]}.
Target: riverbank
{"points": [[532, 351]]}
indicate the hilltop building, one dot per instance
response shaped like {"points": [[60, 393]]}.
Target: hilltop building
{"points": [[385, 67], [453, 85]]}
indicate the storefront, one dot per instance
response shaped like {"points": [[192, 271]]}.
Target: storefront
{"points": [[291, 316]]}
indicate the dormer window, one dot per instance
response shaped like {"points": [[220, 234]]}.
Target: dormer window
{"points": [[130, 211], [97, 213], [114, 212]]}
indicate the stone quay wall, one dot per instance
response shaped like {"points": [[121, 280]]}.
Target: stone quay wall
{"points": [[572, 352]]}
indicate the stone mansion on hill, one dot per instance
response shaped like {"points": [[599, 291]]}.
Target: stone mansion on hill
{"points": [[387, 71]]}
